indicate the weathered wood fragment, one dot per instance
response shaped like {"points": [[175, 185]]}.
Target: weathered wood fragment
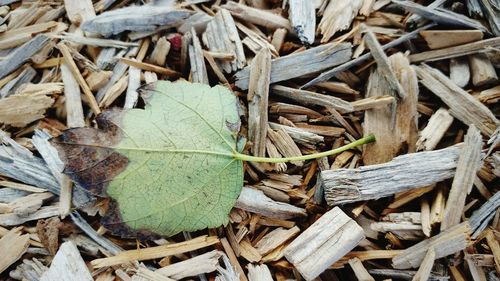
{"points": [[253, 200], [12, 219], [437, 126], [68, 264], [323, 243], [12, 245], [302, 63], [459, 71], [403, 173], [79, 78], [222, 36], [494, 247], [204, 263], [437, 39], [285, 144], [275, 238], [483, 71], [258, 101], [15, 37], [27, 74], [98, 42], [462, 105], [425, 217], [492, 13], [21, 109], [394, 127], [156, 252], [303, 19], [424, 271], [383, 64], [110, 247], [312, 99], [73, 100], [279, 38], [259, 273], [440, 15], [445, 243], [415, 19], [455, 51], [231, 262], [135, 18], [149, 67], [387, 274], [468, 164], [22, 54], [490, 96], [300, 136], [197, 60], [255, 40], [79, 11], [29, 204], [364, 58], [160, 52], [482, 216], [338, 16], [359, 270], [198, 20], [373, 102], [134, 82], [257, 16]]}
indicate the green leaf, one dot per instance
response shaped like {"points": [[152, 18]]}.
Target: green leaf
{"points": [[170, 167], [180, 175]]}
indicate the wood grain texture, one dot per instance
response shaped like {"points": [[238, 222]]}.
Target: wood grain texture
{"points": [[403, 173], [323, 243], [395, 125], [462, 105]]}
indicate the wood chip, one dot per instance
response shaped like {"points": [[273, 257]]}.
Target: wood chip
{"points": [[67, 265], [437, 39], [424, 271], [134, 18], [300, 64], [12, 245], [446, 243], [462, 106], [394, 128], [303, 20], [275, 238], [323, 243], [204, 263], [456, 51], [255, 201], [468, 164], [338, 16], [258, 96], [404, 172], [156, 252], [22, 54], [256, 16], [359, 270]]}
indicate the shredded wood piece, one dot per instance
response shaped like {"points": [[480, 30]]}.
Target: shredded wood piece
{"points": [[12, 245], [452, 240], [338, 16], [324, 243], [404, 172], [67, 265], [468, 164], [156, 252]]}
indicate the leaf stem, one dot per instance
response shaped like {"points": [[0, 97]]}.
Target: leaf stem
{"points": [[365, 140]]}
